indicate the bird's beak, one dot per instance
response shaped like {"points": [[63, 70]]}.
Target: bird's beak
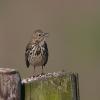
{"points": [[46, 34]]}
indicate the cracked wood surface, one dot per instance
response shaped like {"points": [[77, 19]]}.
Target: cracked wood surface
{"points": [[10, 84]]}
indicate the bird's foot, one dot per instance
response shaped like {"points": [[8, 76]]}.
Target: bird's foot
{"points": [[33, 75], [36, 75], [42, 73]]}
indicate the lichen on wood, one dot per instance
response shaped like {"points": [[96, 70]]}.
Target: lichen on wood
{"points": [[51, 86]]}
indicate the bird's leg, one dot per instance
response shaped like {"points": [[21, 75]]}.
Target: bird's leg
{"points": [[42, 71], [34, 72]]}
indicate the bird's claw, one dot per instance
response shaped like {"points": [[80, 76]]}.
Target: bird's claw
{"points": [[42, 73]]}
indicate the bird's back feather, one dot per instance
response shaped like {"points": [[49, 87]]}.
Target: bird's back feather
{"points": [[27, 53], [45, 53]]}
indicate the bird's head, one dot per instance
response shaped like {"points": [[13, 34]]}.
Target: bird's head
{"points": [[38, 36]]}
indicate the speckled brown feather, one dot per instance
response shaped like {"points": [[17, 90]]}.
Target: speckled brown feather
{"points": [[36, 53]]}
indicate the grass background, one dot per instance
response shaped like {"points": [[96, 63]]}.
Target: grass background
{"points": [[73, 41]]}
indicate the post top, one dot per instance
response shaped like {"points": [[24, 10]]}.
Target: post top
{"points": [[7, 71]]}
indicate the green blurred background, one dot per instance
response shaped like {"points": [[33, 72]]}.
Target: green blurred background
{"points": [[74, 36]]}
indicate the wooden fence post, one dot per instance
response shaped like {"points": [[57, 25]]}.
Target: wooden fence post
{"points": [[51, 86], [10, 84]]}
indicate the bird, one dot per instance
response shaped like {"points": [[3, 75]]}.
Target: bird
{"points": [[36, 52]]}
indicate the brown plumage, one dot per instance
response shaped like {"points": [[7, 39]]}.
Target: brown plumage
{"points": [[36, 53]]}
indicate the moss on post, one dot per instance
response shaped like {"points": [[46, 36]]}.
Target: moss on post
{"points": [[52, 86]]}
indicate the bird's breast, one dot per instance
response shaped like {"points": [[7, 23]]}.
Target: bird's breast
{"points": [[36, 57]]}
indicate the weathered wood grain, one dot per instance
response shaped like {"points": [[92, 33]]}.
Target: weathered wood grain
{"points": [[10, 84], [51, 86]]}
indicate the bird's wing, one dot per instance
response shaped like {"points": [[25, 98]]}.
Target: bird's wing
{"points": [[27, 53], [45, 52]]}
